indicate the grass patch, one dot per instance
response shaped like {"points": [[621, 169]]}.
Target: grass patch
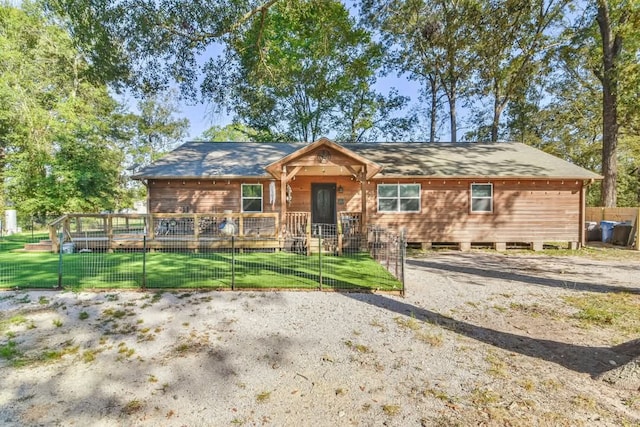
{"points": [[434, 340], [360, 348], [133, 407], [18, 240], [483, 397], [497, 367], [410, 323], [83, 315], [419, 333], [89, 356], [283, 270], [438, 394], [263, 396], [53, 355], [619, 311], [391, 410], [12, 321], [9, 350]]}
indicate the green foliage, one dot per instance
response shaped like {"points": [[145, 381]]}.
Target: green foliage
{"points": [[529, 71], [158, 130], [234, 132], [61, 150], [303, 71]]}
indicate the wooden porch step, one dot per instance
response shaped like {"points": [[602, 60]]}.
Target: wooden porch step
{"points": [[42, 246], [326, 245]]}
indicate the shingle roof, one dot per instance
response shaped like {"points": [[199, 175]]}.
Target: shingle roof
{"points": [[217, 159], [461, 160]]}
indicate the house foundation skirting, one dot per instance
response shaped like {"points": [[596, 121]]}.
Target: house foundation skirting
{"points": [[498, 246]]}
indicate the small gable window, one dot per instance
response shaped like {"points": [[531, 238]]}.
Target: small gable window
{"points": [[481, 198], [398, 197], [251, 197]]}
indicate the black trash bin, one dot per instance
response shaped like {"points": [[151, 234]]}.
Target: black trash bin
{"points": [[621, 234], [594, 232]]}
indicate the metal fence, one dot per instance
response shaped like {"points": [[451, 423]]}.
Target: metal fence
{"points": [[372, 261]]}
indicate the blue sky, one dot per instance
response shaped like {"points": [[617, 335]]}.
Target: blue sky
{"points": [[201, 118]]}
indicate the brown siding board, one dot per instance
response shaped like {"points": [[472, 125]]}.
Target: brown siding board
{"points": [[524, 210], [203, 196]]}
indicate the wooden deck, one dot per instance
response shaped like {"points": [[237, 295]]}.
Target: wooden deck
{"points": [[114, 232]]}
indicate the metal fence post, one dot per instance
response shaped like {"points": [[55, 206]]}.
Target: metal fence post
{"points": [[403, 253], [319, 257], [233, 262], [144, 262], [60, 261]]}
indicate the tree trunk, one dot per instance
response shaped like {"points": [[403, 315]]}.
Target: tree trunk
{"points": [[611, 49], [452, 115], [495, 124], [498, 108], [433, 115]]}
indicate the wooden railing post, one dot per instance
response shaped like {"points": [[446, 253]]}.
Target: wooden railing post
{"points": [[53, 236], [240, 224], [110, 233], [196, 227], [638, 230], [151, 232]]}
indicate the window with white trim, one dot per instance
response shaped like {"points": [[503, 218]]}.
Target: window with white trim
{"points": [[251, 197], [481, 198], [398, 197]]}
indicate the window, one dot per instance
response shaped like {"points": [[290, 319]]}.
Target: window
{"points": [[251, 197], [398, 197], [481, 197]]}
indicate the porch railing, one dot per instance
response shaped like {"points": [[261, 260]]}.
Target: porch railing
{"points": [[350, 223], [110, 228], [297, 223], [158, 226]]}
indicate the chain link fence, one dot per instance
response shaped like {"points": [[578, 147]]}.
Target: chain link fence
{"points": [[324, 260]]}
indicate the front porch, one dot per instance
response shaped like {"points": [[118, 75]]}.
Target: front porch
{"points": [[204, 231]]}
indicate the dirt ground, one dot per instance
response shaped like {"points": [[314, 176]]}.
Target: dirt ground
{"points": [[480, 338]]}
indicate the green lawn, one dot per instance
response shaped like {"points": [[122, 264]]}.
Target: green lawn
{"points": [[191, 270]]}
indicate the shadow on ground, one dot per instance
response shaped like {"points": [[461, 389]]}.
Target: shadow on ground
{"points": [[495, 271], [586, 359]]}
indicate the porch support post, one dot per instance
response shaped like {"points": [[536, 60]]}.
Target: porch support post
{"points": [[363, 192], [283, 200], [582, 241]]}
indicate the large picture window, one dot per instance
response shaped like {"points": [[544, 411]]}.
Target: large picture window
{"points": [[481, 198], [398, 197], [251, 197]]}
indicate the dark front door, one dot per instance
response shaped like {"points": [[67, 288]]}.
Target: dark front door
{"points": [[323, 203]]}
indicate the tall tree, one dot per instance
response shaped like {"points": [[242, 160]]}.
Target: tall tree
{"points": [[58, 132], [513, 44], [291, 72], [430, 41], [611, 25], [147, 44], [604, 37], [158, 127]]}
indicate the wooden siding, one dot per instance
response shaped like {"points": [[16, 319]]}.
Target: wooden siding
{"points": [[203, 196], [524, 211]]}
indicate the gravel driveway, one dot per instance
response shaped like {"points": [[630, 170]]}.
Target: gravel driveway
{"points": [[479, 338]]}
